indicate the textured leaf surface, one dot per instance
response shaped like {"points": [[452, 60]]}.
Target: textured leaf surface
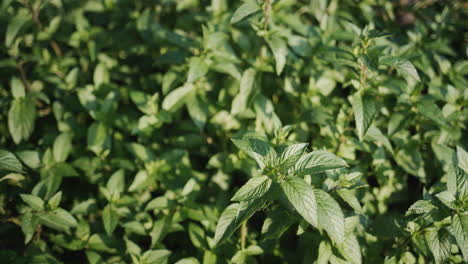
{"points": [[365, 109], [403, 66], [257, 149], [460, 231], [318, 161], [244, 11], [110, 219], [280, 51], [21, 119], [302, 198], [8, 162], [233, 216], [420, 207], [439, 243], [253, 189], [291, 155], [329, 216]]}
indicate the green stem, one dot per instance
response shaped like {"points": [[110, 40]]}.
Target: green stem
{"points": [[266, 13], [243, 234]]}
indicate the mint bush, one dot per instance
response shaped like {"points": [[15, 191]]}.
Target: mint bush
{"points": [[255, 131]]}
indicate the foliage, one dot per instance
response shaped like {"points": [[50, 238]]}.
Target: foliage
{"points": [[256, 131]]}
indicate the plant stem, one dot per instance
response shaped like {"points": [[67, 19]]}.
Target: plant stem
{"points": [[266, 13], [243, 234], [24, 80], [37, 21]]}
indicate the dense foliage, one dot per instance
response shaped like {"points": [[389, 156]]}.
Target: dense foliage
{"points": [[218, 131]]}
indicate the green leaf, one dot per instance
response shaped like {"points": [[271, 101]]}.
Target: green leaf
{"points": [[62, 147], [146, 103], [350, 249], [365, 109], [265, 111], [302, 198], [244, 11], [5, 4], [141, 152], [460, 231], [160, 229], [280, 51], [324, 252], [21, 119], [457, 182], [462, 159], [241, 100], [197, 235], [17, 88], [403, 66], [54, 201], [428, 108], [276, 223], [29, 223], [253, 189], [257, 149], [233, 216], [198, 110], [33, 201], [59, 219], [140, 181], [159, 256], [291, 155], [349, 197], [374, 134], [99, 139], [8, 162], [411, 160], [438, 241], [29, 157], [103, 243], [110, 219], [198, 68], [190, 260], [318, 161], [176, 98], [116, 183], [329, 216], [14, 26], [420, 207], [101, 75]]}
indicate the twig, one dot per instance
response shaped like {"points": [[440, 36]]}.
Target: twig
{"points": [[24, 80], [37, 21]]}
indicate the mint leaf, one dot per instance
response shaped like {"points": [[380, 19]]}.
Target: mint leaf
{"points": [[438, 241], [233, 216], [329, 216], [8, 162], [365, 109], [302, 198], [244, 11], [318, 161], [257, 149], [21, 119], [253, 189], [291, 155], [460, 231]]}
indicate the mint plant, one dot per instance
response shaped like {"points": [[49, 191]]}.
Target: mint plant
{"points": [[284, 183]]}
